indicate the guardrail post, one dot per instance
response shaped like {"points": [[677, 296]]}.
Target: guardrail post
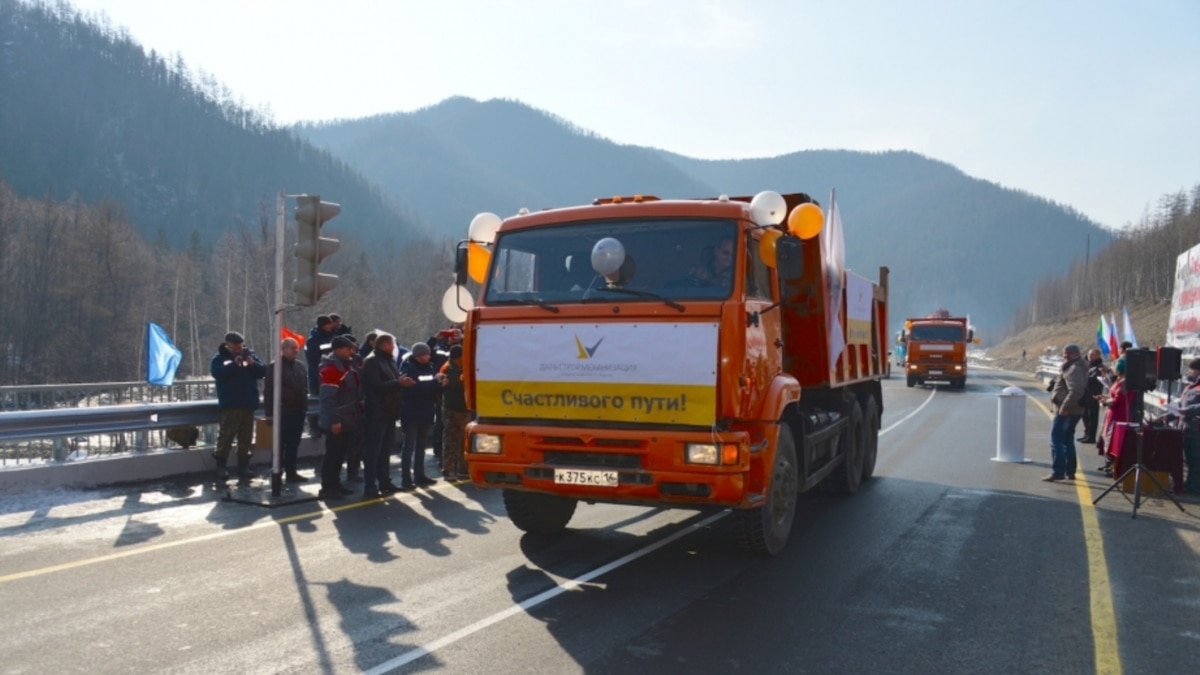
{"points": [[59, 449]]}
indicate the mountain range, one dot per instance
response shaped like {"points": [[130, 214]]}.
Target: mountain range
{"points": [[88, 112], [950, 240]]}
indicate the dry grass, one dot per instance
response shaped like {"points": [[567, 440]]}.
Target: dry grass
{"points": [[1149, 324]]}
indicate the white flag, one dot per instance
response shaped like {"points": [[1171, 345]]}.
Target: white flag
{"points": [[834, 253]]}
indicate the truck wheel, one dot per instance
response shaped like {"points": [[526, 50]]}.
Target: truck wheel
{"points": [[765, 529], [871, 449], [912, 380], [538, 513], [848, 476]]}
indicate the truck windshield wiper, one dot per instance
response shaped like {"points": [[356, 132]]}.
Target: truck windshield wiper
{"points": [[642, 294], [528, 300]]}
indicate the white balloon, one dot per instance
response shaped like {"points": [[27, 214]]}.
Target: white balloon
{"points": [[768, 208], [483, 228], [456, 302], [607, 256]]}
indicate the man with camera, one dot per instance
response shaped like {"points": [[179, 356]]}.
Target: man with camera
{"points": [[237, 371]]}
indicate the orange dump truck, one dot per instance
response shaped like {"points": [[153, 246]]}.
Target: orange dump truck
{"points": [[673, 353], [936, 349]]}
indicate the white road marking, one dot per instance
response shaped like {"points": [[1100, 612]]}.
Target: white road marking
{"points": [[904, 419], [413, 655]]}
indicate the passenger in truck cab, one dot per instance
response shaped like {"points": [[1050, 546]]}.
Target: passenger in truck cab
{"points": [[718, 269]]}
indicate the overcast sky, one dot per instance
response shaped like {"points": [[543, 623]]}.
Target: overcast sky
{"points": [[1091, 104]]}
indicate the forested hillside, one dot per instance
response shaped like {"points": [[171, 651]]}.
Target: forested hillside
{"points": [[1138, 268], [133, 189], [86, 111]]}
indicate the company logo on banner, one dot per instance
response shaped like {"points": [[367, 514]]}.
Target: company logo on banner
{"points": [[650, 373], [587, 352]]}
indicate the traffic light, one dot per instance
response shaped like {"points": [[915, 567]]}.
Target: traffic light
{"points": [[311, 248]]}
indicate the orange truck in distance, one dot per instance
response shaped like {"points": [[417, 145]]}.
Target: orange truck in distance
{"points": [[673, 353], [935, 349]]}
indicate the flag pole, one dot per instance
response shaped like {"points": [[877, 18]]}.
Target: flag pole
{"points": [[277, 375]]}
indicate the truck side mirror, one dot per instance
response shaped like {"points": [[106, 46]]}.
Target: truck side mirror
{"points": [[789, 259], [460, 264]]}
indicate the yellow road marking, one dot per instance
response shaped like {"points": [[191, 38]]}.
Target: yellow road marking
{"points": [[1104, 618]]}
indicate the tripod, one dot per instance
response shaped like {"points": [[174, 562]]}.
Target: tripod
{"points": [[1136, 471]]}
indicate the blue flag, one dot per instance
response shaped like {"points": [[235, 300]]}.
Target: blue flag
{"points": [[162, 356]]}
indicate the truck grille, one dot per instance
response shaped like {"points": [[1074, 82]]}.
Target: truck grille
{"points": [[599, 460]]}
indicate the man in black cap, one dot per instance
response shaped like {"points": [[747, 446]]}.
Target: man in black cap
{"points": [[237, 371], [341, 413]]}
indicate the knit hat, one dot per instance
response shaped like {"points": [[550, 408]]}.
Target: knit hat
{"points": [[420, 349], [342, 341], [234, 337], [456, 352], [1194, 364]]}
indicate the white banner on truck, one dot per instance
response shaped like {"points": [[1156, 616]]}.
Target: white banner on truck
{"points": [[629, 372]]}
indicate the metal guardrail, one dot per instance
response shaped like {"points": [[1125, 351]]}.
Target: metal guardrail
{"points": [[40, 424], [55, 396]]}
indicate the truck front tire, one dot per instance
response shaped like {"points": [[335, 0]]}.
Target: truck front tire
{"points": [[912, 380], [765, 529], [537, 513]]}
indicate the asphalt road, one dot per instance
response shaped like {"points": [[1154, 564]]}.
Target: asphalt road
{"points": [[946, 562]]}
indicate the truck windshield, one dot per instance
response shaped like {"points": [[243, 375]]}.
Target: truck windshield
{"points": [[934, 333], [673, 259]]}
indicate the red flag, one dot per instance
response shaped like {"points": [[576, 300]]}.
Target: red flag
{"points": [[284, 333]]}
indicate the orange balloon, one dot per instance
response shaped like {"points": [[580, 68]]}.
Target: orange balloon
{"points": [[806, 220], [478, 257], [766, 246]]}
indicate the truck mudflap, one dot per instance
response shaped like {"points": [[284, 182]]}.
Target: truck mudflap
{"points": [[615, 465]]}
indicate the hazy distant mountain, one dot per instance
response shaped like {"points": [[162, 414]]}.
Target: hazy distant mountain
{"points": [[461, 157], [83, 109], [950, 240]]}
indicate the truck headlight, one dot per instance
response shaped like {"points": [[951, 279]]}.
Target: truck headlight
{"points": [[912, 366], [488, 444], [958, 367], [703, 453]]}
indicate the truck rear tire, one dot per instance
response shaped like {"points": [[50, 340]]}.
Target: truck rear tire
{"points": [[764, 530], [537, 513], [871, 449], [912, 380], [849, 474]]}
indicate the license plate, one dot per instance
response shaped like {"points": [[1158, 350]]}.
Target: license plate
{"points": [[582, 477], [935, 372]]}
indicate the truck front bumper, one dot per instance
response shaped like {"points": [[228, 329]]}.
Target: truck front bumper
{"points": [[650, 467]]}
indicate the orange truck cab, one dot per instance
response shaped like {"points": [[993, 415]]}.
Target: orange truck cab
{"points": [[935, 349], [675, 353]]}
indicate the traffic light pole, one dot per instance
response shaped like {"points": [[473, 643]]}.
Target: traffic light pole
{"points": [[277, 375]]}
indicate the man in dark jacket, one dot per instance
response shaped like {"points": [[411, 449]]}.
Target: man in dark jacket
{"points": [[381, 389], [293, 405], [341, 414], [316, 347], [455, 417], [1097, 376], [422, 385], [237, 372]]}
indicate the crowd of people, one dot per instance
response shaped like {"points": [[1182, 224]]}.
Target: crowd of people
{"points": [[364, 391], [1086, 387]]}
